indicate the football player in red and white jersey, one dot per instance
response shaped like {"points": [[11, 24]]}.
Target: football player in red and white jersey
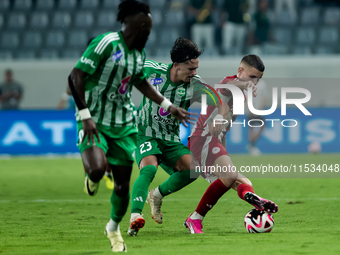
{"points": [[207, 143]]}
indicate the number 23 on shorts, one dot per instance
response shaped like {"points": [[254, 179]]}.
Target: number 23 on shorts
{"points": [[147, 146]]}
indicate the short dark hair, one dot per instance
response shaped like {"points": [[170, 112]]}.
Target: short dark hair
{"points": [[130, 8], [254, 61], [184, 50]]}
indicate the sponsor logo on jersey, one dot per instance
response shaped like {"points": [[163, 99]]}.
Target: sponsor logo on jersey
{"points": [[181, 92], [156, 81], [160, 119], [117, 56], [118, 98], [163, 113], [87, 61], [124, 85]]}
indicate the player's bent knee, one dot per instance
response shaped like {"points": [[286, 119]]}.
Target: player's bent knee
{"points": [[96, 170], [95, 163], [148, 172], [95, 174]]}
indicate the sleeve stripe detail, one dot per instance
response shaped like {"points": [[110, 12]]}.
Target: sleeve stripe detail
{"points": [[158, 68], [105, 41], [156, 65], [102, 41], [150, 62]]}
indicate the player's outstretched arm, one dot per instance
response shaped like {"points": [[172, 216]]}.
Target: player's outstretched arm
{"points": [[77, 87], [150, 92]]}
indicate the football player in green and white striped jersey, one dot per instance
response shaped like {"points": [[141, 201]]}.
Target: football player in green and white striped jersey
{"points": [[158, 132], [101, 85]]}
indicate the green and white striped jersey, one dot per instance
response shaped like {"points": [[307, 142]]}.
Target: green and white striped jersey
{"points": [[112, 69], [153, 121]]}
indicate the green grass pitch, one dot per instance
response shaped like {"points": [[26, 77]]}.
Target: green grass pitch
{"points": [[43, 210]]}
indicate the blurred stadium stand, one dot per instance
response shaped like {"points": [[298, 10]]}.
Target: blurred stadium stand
{"points": [[52, 29]]}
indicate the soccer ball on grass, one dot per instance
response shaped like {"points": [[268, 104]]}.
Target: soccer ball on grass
{"points": [[257, 221]]}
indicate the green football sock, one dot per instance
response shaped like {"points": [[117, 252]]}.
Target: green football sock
{"points": [[140, 188], [119, 206], [177, 181]]}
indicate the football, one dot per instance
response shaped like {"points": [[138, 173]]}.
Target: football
{"points": [[257, 221]]}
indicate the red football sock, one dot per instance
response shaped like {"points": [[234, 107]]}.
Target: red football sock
{"points": [[243, 189], [211, 196]]}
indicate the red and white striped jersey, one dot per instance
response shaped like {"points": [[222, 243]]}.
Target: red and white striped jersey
{"points": [[201, 127]]}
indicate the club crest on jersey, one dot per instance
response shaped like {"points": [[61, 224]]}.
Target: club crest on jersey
{"points": [[117, 56], [163, 113], [181, 92], [156, 81]]}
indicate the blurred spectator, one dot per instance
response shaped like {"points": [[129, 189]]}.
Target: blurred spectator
{"points": [[10, 92], [66, 101], [234, 30], [261, 38], [252, 7], [328, 2], [201, 25], [289, 4], [262, 32]]}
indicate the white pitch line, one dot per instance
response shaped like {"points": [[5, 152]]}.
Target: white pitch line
{"points": [[177, 200]]}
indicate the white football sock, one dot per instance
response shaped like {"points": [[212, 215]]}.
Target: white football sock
{"points": [[112, 226], [157, 193], [134, 214], [196, 216]]}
